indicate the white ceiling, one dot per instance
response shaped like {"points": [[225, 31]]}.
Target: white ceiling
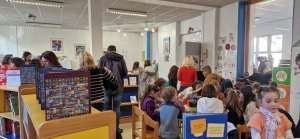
{"points": [[74, 15], [273, 11]]}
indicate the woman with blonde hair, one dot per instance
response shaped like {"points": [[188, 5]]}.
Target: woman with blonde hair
{"points": [[187, 74], [98, 77], [233, 108]]}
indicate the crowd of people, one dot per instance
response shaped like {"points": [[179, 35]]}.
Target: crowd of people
{"points": [[252, 105]]}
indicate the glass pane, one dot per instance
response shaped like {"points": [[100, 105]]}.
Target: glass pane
{"points": [[255, 60], [276, 57], [276, 43], [263, 44], [254, 45]]}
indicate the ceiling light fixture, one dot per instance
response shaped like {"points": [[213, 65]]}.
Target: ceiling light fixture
{"points": [[269, 1], [38, 24], [257, 18], [142, 33], [146, 27], [153, 30], [126, 12], [282, 28], [124, 34], [37, 3]]}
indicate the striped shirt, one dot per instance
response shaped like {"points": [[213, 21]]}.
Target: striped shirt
{"points": [[97, 77]]}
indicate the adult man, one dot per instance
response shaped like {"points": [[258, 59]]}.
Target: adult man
{"points": [[114, 62]]}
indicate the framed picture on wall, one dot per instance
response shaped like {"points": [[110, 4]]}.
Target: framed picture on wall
{"points": [[166, 45], [57, 46], [78, 48]]}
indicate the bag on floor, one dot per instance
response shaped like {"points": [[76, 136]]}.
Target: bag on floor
{"points": [[119, 135]]}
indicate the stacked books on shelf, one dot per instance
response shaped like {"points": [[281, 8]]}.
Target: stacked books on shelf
{"points": [[14, 104], [9, 127]]}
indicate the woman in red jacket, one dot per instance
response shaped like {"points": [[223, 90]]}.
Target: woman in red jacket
{"points": [[187, 74]]}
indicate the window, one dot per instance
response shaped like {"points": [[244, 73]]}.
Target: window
{"points": [[268, 45]]}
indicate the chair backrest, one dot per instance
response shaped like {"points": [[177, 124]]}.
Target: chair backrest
{"points": [[242, 129], [147, 121], [136, 111]]}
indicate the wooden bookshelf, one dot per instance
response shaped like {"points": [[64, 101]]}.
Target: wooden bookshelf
{"points": [[130, 90], [99, 124], [129, 104], [9, 115]]}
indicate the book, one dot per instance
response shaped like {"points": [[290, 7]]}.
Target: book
{"points": [[8, 126], [25, 117], [2, 126], [13, 78], [126, 82], [6, 101], [41, 86], [133, 99], [16, 129], [27, 74], [14, 104], [204, 125], [3, 70], [132, 80], [67, 94]]}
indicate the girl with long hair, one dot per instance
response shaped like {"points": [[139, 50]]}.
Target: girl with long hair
{"points": [[50, 59], [173, 76], [249, 102], [233, 108]]}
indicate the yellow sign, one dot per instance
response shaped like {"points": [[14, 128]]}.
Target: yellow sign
{"points": [[198, 127], [96, 133], [143, 56], [215, 130]]}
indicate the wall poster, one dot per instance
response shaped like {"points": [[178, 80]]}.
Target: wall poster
{"points": [[78, 48], [57, 45], [166, 45]]}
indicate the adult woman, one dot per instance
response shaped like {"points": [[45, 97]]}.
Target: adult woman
{"points": [[249, 103], [98, 77], [6, 59], [50, 59], [150, 73], [27, 57], [211, 76], [187, 74]]}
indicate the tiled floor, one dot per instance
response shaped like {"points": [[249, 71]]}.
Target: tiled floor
{"points": [[127, 130]]}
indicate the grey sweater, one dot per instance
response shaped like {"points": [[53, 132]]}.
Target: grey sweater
{"points": [[168, 116]]}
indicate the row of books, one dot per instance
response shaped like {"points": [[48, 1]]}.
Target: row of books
{"points": [[8, 126], [132, 81]]}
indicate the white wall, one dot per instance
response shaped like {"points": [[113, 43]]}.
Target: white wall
{"points": [[37, 40], [269, 29], [228, 24], [154, 46], [195, 23], [172, 31]]}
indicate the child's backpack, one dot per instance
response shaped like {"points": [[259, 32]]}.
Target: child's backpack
{"points": [[296, 131]]}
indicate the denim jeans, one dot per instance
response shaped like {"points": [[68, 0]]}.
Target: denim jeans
{"points": [[182, 88], [98, 106], [117, 101]]}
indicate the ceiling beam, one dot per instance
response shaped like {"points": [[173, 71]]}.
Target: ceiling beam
{"points": [[176, 4]]}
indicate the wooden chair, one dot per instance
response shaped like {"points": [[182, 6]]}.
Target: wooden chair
{"points": [[242, 129], [136, 112], [147, 134]]}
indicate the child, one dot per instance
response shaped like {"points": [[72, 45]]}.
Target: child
{"points": [[267, 122], [189, 92], [35, 61], [209, 103], [248, 100], [273, 84], [168, 115], [173, 76], [219, 94], [233, 108], [148, 104], [16, 62], [161, 83]]}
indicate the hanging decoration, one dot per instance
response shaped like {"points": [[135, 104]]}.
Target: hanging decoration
{"points": [[31, 17], [190, 30]]}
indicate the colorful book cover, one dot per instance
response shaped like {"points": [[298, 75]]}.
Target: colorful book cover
{"points": [[67, 94], [204, 125], [8, 126], [3, 70], [37, 81], [126, 82], [132, 80], [27, 74], [41, 87], [2, 126], [13, 78]]}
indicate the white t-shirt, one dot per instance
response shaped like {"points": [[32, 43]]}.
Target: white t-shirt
{"points": [[187, 93]]}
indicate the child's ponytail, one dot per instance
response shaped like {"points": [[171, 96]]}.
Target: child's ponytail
{"points": [[148, 89]]}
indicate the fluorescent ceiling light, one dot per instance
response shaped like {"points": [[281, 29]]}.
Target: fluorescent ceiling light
{"points": [[153, 30], [269, 1], [257, 18], [282, 28], [56, 5], [38, 24], [142, 33], [124, 34], [126, 12]]}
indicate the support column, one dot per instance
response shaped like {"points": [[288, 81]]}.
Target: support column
{"points": [[95, 28], [148, 45]]}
